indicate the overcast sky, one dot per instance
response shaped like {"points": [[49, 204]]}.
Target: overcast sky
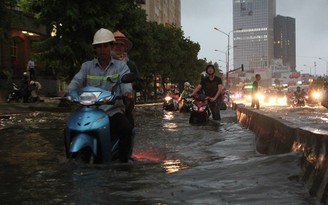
{"points": [[198, 19]]}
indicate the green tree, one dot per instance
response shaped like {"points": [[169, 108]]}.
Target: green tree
{"points": [[72, 24], [5, 20], [172, 55], [157, 49]]}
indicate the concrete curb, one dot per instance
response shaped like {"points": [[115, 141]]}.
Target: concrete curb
{"points": [[276, 136]]}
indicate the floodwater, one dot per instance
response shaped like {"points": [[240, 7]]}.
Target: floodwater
{"points": [[313, 118], [176, 163]]}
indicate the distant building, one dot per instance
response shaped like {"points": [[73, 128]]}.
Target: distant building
{"points": [[284, 41], [163, 11], [253, 35], [17, 50]]}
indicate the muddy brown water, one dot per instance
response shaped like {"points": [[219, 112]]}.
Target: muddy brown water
{"points": [[176, 163]]}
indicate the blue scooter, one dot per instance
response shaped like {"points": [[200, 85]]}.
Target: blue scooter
{"points": [[87, 134]]}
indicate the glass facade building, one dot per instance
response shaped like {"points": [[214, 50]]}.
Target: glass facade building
{"points": [[284, 41], [253, 35]]}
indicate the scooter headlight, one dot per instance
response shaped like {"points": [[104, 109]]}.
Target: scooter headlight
{"points": [[194, 107], [316, 95], [168, 98], [201, 109], [87, 98]]}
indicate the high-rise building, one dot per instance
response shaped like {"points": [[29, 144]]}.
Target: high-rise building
{"points": [[253, 35], [163, 11], [284, 41]]}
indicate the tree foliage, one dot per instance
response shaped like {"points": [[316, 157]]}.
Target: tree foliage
{"points": [[5, 20], [157, 49]]}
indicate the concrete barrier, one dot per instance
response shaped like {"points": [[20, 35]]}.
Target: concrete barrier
{"points": [[276, 136]]}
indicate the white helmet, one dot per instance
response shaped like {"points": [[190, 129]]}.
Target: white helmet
{"points": [[103, 36], [187, 84]]}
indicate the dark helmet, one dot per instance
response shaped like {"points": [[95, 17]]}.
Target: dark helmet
{"points": [[298, 88], [210, 66], [203, 75]]}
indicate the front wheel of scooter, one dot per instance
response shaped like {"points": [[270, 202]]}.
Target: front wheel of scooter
{"points": [[84, 155]]}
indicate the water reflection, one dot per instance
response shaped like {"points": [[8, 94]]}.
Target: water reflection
{"points": [[168, 115], [151, 154], [167, 121], [172, 166], [170, 126]]}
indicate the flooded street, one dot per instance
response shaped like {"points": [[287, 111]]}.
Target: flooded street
{"points": [[176, 163], [313, 118]]}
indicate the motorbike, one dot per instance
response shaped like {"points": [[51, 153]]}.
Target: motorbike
{"points": [[299, 101], [185, 104], [324, 100], [15, 94], [325, 104], [170, 103], [87, 133], [27, 93], [200, 110]]}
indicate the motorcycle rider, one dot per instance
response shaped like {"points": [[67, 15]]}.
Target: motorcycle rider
{"points": [[104, 71], [324, 100], [174, 94], [299, 93], [187, 90], [120, 51], [290, 96], [35, 88], [212, 86]]}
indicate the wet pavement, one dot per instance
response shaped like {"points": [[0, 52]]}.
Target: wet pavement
{"points": [[176, 163]]}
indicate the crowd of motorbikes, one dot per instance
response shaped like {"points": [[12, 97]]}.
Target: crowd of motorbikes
{"points": [[87, 135], [197, 106], [301, 97], [200, 112]]}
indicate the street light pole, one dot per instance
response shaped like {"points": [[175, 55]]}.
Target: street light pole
{"points": [[228, 54], [308, 67], [326, 65], [225, 53]]}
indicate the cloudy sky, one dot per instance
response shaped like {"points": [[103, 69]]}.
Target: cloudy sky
{"points": [[198, 19]]}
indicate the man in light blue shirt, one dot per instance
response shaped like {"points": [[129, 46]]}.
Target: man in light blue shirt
{"points": [[103, 72]]}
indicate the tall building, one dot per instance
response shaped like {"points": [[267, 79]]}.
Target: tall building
{"points": [[253, 35], [163, 11], [284, 41]]}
